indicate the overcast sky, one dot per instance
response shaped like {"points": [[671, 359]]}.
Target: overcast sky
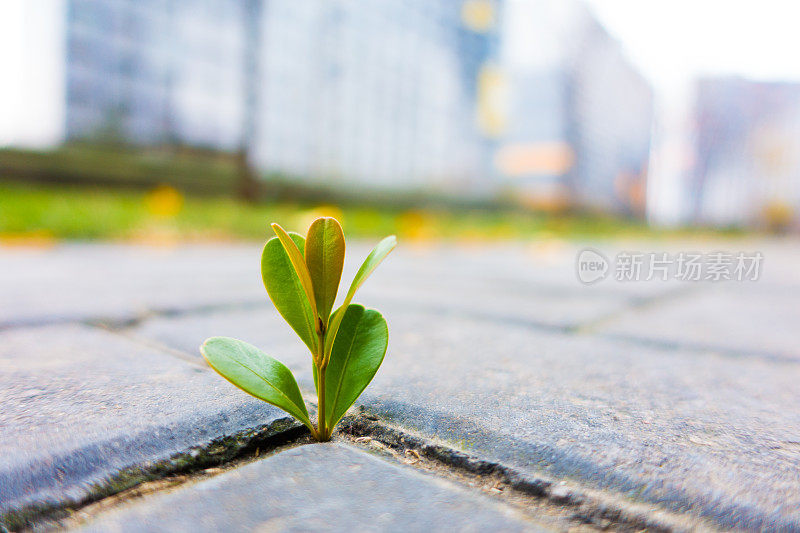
{"points": [[674, 40]]}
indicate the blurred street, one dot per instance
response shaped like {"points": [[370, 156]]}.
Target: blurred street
{"points": [[648, 403]]}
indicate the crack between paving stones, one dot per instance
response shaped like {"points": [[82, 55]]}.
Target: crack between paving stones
{"points": [[588, 328], [640, 303], [534, 496], [645, 303], [219, 454], [573, 502], [133, 319], [157, 345], [173, 312], [701, 349]]}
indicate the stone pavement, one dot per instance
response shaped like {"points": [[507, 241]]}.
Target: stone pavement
{"points": [[367, 492], [619, 404]]}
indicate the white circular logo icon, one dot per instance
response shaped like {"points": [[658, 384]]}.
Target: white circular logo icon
{"points": [[591, 266]]}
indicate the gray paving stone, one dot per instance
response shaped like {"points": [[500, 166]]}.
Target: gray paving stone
{"points": [[84, 281], [319, 487], [512, 282], [79, 404], [702, 431], [736, 317], [87, 281], [710, 431], [519, 302], [111, 282], [261, 326], [691, 430]]}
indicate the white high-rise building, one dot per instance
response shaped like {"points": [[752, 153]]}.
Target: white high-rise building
{"points": [[136, 71], [580, 115], [746, 168]]}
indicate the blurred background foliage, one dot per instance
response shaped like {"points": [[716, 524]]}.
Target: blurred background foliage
{"points": [[163, 215]]}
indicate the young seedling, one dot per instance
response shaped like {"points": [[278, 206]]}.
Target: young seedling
{"points": [[347, 345]]}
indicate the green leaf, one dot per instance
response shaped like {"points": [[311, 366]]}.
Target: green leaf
{"points": [[256, 373], [356, 356], [372, 261], [300, 267], [286, 291], [324, 254]]}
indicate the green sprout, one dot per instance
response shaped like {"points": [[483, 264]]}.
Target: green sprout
{"points": [[347, 345]]}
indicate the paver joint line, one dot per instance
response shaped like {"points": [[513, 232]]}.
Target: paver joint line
{"points": [[252, 443], [589, 508], [677, 346], [220, 451], [635, 304]]}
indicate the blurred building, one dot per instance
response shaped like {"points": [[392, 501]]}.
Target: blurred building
{"points": [[378, 93], [580, 115], [132, 71], [371, 94], [392, 95], [747, 153]]}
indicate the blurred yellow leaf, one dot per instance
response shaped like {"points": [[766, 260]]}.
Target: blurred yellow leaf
{"points": [[164, 201], [34, 239], [416, 225]]}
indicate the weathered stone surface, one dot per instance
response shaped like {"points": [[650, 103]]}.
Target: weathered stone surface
{"points": [[694, 430], [261, 326], [526, 284], [75, 282], [79, 404], [699, 415], [319, 487], [80, 281], [744, 318]]}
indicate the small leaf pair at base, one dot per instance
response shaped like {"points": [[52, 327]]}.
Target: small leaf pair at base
{"points": [[257, 374], [357, 354]]}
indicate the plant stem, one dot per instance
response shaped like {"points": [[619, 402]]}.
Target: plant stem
{"points": [[322, 431]]}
